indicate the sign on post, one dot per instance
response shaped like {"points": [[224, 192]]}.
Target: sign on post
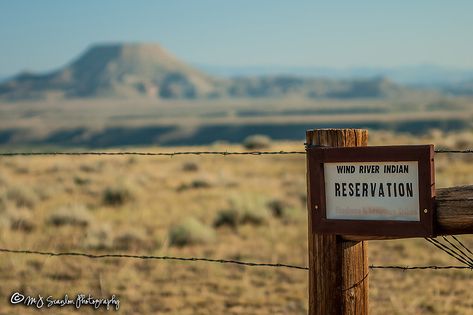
{"points": [[375, 191]]}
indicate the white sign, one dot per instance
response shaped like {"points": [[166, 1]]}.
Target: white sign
{"points": [[372, 191]]}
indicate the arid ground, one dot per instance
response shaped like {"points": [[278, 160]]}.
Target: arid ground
{"points": [[250, 208]]}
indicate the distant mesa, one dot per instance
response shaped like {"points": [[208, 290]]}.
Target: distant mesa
{"points": [[147, 70], [116, 70]]}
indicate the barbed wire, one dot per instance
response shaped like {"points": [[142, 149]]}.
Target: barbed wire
{"points": [[447, 250], [452, 250], [354, 285], [454, 151], [210, 260], [433, 267], [171, 154], [146, 257], [466, 256], [461, 244]]}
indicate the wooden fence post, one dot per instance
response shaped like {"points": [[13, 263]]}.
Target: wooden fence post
{"points": [[338, 269]]}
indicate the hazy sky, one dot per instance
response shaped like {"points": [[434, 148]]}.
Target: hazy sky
{"points": [[42, 35]]}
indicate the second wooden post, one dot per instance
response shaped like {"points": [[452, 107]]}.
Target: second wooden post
{"points": [[338, 269]]}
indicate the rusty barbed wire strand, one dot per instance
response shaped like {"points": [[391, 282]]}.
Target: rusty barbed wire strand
{"points": [[449, 251], [460, 256], [155, 153], [211, 260], [454, 249], [354, 285], [461, 244], [454, 151], [445, 249], [459, 250], [433, 267], [171, 154], [144, 257]]}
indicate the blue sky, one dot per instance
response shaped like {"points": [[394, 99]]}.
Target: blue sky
{"points": [[43, 35]]}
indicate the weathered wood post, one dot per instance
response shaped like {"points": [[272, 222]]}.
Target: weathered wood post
{"points": [[338, 269]]}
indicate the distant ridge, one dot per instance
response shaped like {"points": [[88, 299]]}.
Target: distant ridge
{"points": [[424, 75], [148, 70]]}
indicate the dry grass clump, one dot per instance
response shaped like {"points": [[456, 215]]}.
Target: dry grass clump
{"points": [[46, 192], [191, 231], [81, 181], [102, 237], [15, 205], [464, 141], [99, 237], [200, 182], [73, 215], [243, 210], [257, 142], [190, 167], [227, 217], [252, 210], [95, 167], [22, 169], [117, 195], [19, 219], [3, 180], [132, 160], [3, 202], [286, 210], [22, 196], [130, 239], [279, 208]]}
